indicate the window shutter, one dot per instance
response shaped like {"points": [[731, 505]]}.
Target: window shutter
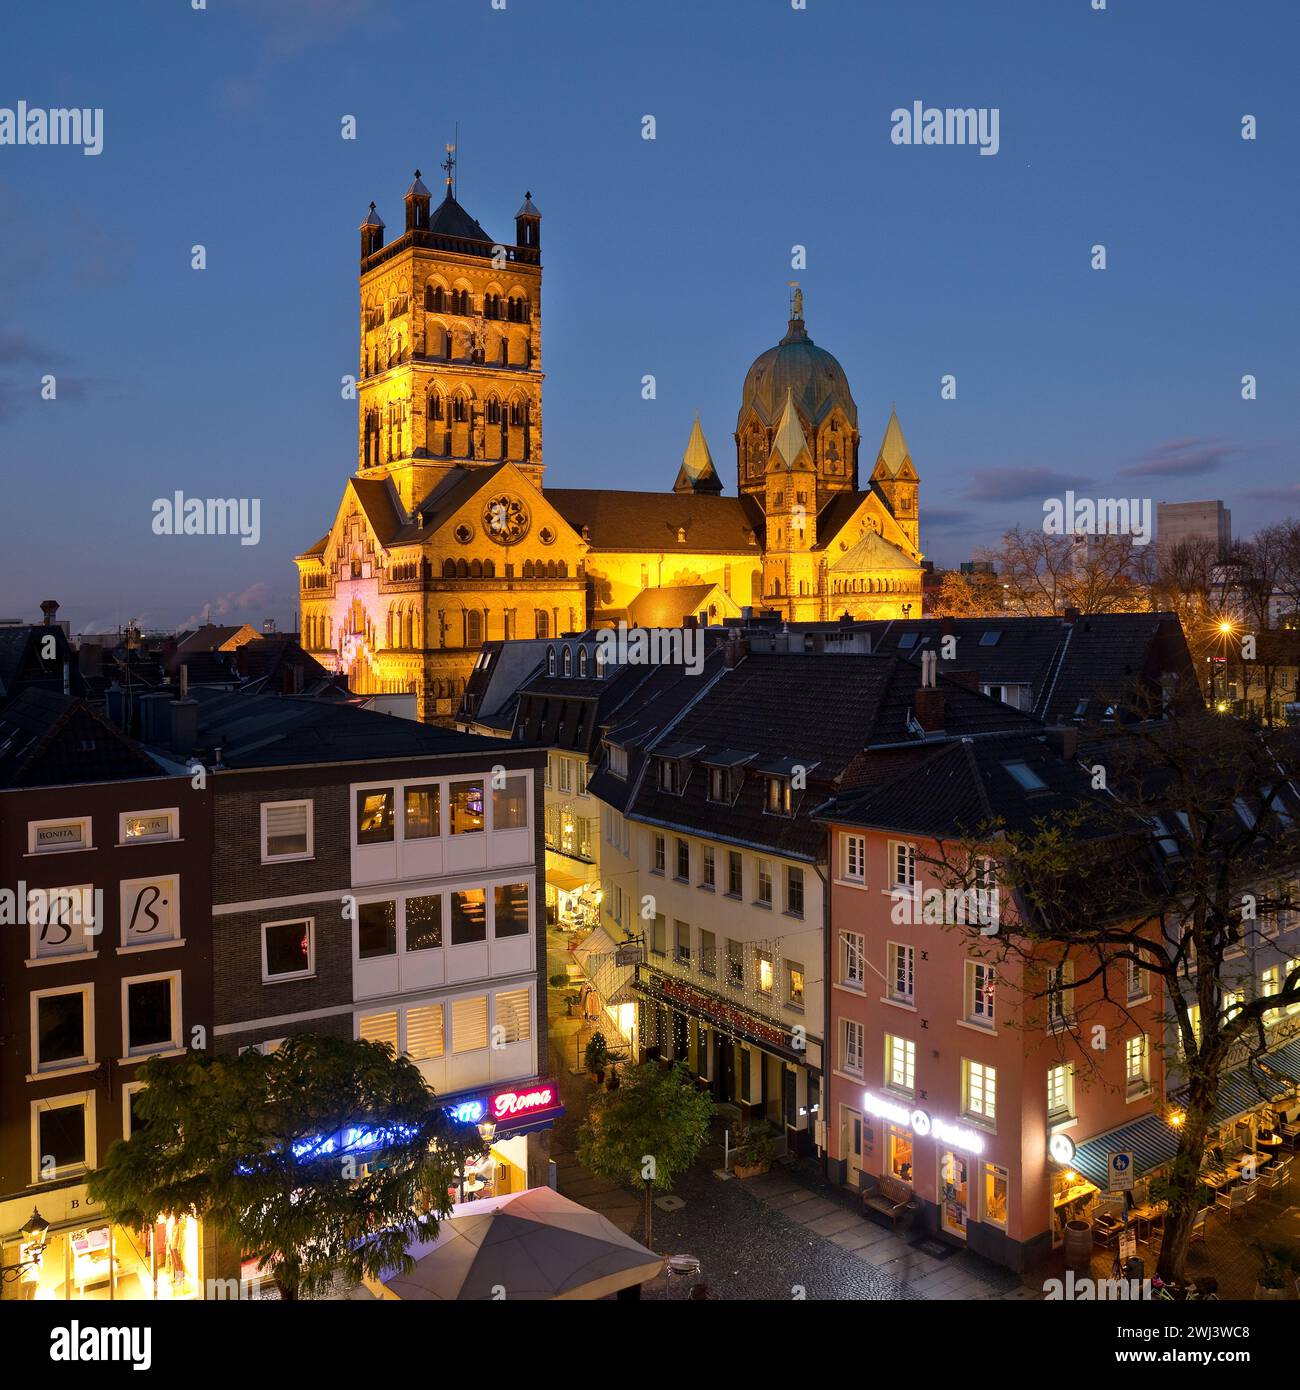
{"points": [[469, 1024], [380, 1028], [513, 1015], [424, 1032]]}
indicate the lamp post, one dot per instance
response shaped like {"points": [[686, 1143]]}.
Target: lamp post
{"points": [[34, 1233]]}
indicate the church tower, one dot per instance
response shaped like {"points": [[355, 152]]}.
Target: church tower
{"points": [[790, 566], [895, 478], [450, 370]]}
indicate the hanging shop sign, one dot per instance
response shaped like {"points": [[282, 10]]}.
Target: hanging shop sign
{"points": [[521, 1104], [922, 1123], [1060, 1149]]}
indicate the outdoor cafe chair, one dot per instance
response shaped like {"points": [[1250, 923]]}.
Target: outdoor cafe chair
{"points": [[1198, 1226]]}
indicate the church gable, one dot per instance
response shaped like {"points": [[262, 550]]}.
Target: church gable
{"points": [[871, 514]]}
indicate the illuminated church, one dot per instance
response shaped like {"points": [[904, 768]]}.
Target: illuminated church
{"points": [[445, 537]]}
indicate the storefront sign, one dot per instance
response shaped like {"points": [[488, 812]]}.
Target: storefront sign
{"points": [[514, 1105], [922, 1123], [718, 1012], [1060, 1149]]}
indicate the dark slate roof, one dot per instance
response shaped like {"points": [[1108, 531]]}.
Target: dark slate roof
{"points": [[22, 663], [619, 520], [50, 739], [964, 787], [450, 219], [281, 730]]}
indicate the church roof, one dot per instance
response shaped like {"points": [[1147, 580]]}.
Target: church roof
{"points": [[529, 208], [893, 448], [417, 188], [667, 606], [373, 219], [450, 219], [873, 552], [790, 441], [796, 364], [697, 473], [634, 521]]}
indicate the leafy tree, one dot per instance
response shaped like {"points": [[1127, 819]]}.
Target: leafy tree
{"points": [[327, 1157], [648, 1131]]}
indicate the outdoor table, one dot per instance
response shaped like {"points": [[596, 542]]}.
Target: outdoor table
{"points": [[1147, 1216], [1215, 1178]]}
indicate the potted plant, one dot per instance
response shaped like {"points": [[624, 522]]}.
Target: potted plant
{"points": [[754, 1151], [558, 980], [596, 1057], [571, 1002], [1277, 1263]]}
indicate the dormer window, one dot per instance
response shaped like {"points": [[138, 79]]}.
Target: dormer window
{"points": [[617, 760], [568, 662], [720, 785], [550, 661], [582, 661], [670, 776], [779, 800]]}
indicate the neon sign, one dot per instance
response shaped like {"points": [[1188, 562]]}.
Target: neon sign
{"points": [[514, 1104], [922, 1123]]}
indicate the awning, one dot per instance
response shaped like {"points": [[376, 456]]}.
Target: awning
{"points": [[1241, 1091], [1151, 1140], [597, 942], [567, 880], [1283, 1062]]}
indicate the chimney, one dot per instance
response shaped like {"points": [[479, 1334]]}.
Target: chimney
{"points": [[1070, 616], [1065, 742], [185, 725], [927, 708], [970, 679], [948, 626], [185, 682], [50, 607], [734, 652]]}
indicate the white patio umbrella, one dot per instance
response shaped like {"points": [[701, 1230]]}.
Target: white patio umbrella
{"points": [[533, 1245]]}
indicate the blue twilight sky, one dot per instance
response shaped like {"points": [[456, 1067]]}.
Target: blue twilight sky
{"points": [[670, 257]]}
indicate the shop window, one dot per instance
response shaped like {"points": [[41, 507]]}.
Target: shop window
{"points": [[150, 910], [996, 1193], [286, 830], [979, 1091], [63, 1136], [851, 1041], [794, 984], [423, 920], [63, 1028], [510, 804], [142, 827], [288, 950], [468, 916], [794, 891], [375, 816], [53, 836], [735, 874], [980, 982], [376, 929], [900, 1153], [900, 1063], [469, 1024], [852, 959], [1060, 1093], [421, 814], [683, 861], [514, 1015], [466, 807], [510, 906], [151, 1014], [853, 858], [764, 898], [62, 921], [708, 953], [902, 968]]}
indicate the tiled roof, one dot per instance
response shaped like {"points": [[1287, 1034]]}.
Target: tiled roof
{"points": [[634, 521], [48, 739]]}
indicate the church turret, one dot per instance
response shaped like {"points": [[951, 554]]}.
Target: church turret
{"points": [[790, 502], [528, 225], [372, 233], [895, 478], [697, 473], [417, 206]]}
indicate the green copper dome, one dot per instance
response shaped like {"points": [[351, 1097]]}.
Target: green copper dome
{"points": [[797, 366]]}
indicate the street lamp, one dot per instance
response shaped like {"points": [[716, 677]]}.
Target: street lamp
{"points": [[34, 1235], [486, 1129]]}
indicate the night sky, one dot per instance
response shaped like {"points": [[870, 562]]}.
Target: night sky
{"points": [[668, 257]]}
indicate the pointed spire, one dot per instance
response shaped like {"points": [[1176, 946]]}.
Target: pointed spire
{"points": [[373, 218], [417, 188], [790, 440], [893, 448], [697, 473]]}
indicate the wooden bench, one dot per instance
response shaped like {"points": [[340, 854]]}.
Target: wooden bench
{"points": [[890, 1197]]}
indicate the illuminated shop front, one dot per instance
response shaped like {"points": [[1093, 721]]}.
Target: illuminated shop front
{"points": [[510, 1120], [92, 1258]]}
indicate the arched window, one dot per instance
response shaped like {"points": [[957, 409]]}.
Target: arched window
{"points": [[550, 651], [436, 409], [489, 569], [433, 298], [410, 629], [582, 661], [528, 569], [449, 569], [600, 663], [473, 628], [493, 411], [544, 630], [476, 569], [562, 569], [776, 588], [568, 661]]}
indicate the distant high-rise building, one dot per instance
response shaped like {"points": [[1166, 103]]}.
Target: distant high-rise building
{"points": [[1193, 521]]}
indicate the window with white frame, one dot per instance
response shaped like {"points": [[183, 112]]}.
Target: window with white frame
{"points": [[853, 858], [682, 943], [659, 935], [853, 962], [670, 775], [566, 774], [980, 982], [683, 860], [735, 964], [900, 1063], [902, 864], [1060, 995], [150, 910], [794, 891], [146, 827], [851, 1040], [509, 910], [63, 1028], [1233, 1001], [288, 950], [1292, 966], [660, 853], [424, 1039], [132, 1121], [514, 1015], [1270, 983], [1060, 1092], [63, 1136], [794, 984], [151, 1014], [764, 970], [1137, 981], [708, 869], [901, 973], [1137, 1066], [62, 921], [764, 898], [979, 1091], [286, 831], [708, 953], [617, 760], [465, 807], [735, 873], [54, 836], [779, 798], [469, 1024]]}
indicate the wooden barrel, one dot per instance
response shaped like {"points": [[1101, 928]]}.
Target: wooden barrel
{"points": [[1078, 1244]]}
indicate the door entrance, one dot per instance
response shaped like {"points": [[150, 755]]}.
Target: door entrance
{"points": [[851, 1145], [954, 1192]]}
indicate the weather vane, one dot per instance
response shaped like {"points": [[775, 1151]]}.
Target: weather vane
{"points": [[449, 164]]}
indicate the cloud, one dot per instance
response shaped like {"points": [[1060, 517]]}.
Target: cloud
{"points": [[237, 604], [1287, 496], [945, 518], [1182, 458], [290, 26], [1016, 484]]}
